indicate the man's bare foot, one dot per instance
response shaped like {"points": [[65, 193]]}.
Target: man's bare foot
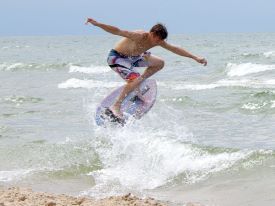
{"points": [[116, 111], [142, 98], [139, 95]]}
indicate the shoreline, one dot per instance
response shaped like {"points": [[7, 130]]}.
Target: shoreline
{"points": [[18, 196]]}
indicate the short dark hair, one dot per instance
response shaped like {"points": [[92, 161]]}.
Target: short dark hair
{"points": [[160, 31]]}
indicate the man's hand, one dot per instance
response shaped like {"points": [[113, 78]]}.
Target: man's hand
{"points": [[91, 21], [201, 60]]}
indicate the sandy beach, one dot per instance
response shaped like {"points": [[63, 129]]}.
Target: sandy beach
{"points": [[26, 197]]}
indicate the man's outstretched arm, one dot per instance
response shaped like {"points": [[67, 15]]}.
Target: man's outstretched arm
{"points": [[180, 51], [114, 30]]}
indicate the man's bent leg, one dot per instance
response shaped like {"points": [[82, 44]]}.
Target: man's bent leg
{"points": [[129, 87], [156, 64]]}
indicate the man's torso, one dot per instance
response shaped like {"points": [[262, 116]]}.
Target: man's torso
{"points": [[129, 47]]}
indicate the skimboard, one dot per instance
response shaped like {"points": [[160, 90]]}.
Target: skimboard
{"points": [[131, 106]]}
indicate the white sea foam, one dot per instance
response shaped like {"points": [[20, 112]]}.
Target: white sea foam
{"points": [[87, 84], [251, 83], [184, 86], [269, 54], [30, 66], [247, 68], [149, 159], [15, 46], [6, 176], [92, 69], [253, 106], [152, 164], [11, 66], [196, 86], [250, 54], [240, 83]]}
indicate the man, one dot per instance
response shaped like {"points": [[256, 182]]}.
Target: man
{"points": [[131, 52]]}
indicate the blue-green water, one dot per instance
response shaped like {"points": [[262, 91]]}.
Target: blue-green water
{"points": [[210, 133]]}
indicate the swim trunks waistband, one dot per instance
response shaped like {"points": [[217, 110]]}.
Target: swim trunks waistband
{"points": [[113, 51]]}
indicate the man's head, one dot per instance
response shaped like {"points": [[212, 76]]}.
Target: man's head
{"points": [[159, 31]]}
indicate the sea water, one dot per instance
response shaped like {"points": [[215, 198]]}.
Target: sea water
{"points": [[209, 138]]}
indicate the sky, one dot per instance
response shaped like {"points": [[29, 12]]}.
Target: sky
{"points": [[67, 17]]}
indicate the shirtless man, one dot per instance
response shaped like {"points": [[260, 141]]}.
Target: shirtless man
{"points": [[131, 52]]}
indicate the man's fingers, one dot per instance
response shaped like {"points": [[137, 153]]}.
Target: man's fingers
{"points": [[201, 60], [204, 62], [87, 21]]}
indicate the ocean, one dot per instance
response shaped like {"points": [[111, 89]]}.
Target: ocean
{"points": [[210, 137]]}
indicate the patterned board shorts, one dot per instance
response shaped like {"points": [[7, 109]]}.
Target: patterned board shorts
{"points": [[125, 65]]}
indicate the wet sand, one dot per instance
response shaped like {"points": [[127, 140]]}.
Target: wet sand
{"points": [[16, 196]]}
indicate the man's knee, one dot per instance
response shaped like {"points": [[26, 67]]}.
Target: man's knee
{"points": [[159, 64], [162, 63]]}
